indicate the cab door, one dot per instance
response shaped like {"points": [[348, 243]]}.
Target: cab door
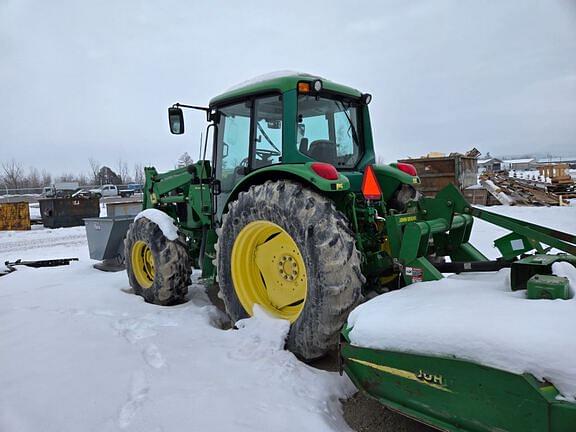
{"points": [[249, 137]]}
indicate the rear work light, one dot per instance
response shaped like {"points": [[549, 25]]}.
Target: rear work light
{"points": [[407, 168], [370, 186], [325, 170]]}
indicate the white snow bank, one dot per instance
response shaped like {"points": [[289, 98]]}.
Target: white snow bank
{"points": [[270, 76], [476, 317], [566, 270], [164, 222], [80, 352]]}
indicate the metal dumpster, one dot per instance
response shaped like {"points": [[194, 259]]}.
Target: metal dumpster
{"points": [[14, 216], [68, 212], [437, 172], [106, 240], [123, 208]]}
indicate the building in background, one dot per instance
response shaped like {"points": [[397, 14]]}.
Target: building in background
{"points": [[519, 164], [489, 165]]}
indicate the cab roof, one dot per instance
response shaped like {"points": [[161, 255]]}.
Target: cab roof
{"points": [[281, 81]]}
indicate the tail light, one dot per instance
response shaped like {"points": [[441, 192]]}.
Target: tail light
{"points": [[325, 170], [407, 168], [370, 186]]}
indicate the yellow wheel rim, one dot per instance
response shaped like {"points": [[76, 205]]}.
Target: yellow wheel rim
{"points": [[385, 280], [268, 270], [143, 264]]}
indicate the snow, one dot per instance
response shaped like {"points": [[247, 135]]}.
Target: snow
{"points": [[477, 317], [270, 76], [80, 352], [164, 222], [484, 233]]}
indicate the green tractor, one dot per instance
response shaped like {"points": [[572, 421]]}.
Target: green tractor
{"points": [[292, 214], [277, 216]]}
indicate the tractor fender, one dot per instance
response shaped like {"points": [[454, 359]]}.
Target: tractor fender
{"points": [[301, 172], [390, 178]]}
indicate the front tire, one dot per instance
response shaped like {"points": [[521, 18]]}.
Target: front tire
{"points": [[158, 269], [286, 248]]}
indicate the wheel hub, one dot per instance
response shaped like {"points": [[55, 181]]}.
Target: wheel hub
{"points": [[268, 270], [287, 267]]}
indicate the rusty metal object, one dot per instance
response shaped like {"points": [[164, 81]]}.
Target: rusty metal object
{"points": [[437, 172], [14, 216]]}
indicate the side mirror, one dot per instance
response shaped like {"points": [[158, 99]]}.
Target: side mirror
{"points": [[176, 120]]}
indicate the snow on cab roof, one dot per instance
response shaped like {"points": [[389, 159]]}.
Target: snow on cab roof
{"points": [[279, 81], [269, 77]]}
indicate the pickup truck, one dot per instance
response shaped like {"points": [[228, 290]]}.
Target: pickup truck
{"points": [[111, 190], [61, 189]]}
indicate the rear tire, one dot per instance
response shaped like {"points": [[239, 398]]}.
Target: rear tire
{"points": [[328, 250], [158, 269]]}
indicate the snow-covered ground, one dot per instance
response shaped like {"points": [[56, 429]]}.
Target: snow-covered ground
{"points": [[79, 352]]}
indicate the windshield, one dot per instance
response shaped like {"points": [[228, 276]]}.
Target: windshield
{"points": [[328, 130]]}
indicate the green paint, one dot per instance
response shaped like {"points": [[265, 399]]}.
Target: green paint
{"points": [[548, 287], [456, 395], [299, 172]]}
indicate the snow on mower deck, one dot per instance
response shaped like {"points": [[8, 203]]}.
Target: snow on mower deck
{"points": [[467, 353]]}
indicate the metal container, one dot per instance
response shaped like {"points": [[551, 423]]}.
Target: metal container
{"points": [[14, 216], [437, 172], [68, 212], [123, 208], [106, 236]]}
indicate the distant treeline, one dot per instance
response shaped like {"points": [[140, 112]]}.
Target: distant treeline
{"points": [[15, 177]]}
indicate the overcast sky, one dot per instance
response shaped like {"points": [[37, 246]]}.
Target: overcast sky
{"points": [[82, 79]]}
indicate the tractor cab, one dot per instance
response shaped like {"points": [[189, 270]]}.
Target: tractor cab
{"points": [[282, 119]]}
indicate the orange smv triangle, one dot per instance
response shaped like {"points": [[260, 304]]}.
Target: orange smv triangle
{"points": [[370, 186]]}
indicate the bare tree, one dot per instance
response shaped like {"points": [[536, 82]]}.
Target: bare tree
{"points": [[46, 178], [138, 173], [12, 174], [184, 160], [94, 171], [83, 179], [33, 179], [122, 171], [67, 177]]}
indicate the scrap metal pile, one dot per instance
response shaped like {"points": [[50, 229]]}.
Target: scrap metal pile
{"points": [[520, 191]]}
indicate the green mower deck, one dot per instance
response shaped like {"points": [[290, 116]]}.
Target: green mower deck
{"points": [[455, 395]]}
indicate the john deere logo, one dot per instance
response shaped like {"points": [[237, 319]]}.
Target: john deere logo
{"points": [[407, 219], [430, 378]]}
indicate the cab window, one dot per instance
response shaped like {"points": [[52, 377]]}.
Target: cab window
{"points": [[328, 131], [233, 143], [267, 131]]}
